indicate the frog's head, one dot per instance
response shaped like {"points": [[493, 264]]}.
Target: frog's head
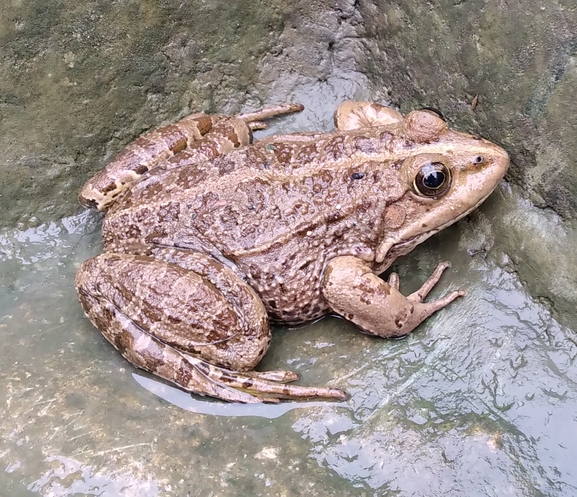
{"points": [[445, 175]]}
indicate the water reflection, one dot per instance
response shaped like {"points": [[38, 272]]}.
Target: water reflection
{"points": [[190, 403], [67, 476]]}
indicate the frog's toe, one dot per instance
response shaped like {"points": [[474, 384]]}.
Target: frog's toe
{"points": [[265, 386], [276, 376], [269, 112], [421, 293], [257, 125]]}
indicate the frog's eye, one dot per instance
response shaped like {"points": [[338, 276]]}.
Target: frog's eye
{"points": [[435, 111], [433, 180]]}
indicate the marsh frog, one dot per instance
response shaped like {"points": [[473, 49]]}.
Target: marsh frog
{"points": [[209, 237]]}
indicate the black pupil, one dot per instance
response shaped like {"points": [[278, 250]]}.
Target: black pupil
{"points": [[434, 179]]}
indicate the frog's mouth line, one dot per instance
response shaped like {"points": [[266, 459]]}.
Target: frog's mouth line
{"points": [[405, 246]]}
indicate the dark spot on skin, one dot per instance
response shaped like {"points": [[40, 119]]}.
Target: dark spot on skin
{"points": [[386, 137], [366, 288], [141, 169], [359, 175], [203, 124], [123, 341], [316, 309], [364, 206], [304, 265], [89, 203], [283, 153], [398, 323], [182, 375], [157, 234], [424, 225], [365, 300], [172, 320], [364, 145], [247, 384], [233, 137], [108, 188], [180, 145], [225, 166]]}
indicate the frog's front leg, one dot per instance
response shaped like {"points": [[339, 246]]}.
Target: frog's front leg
{"points": [[376, 306], [189, 320], [355, 115]]}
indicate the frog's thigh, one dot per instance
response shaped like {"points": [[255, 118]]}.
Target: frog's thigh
{"points": [[377, 307], [150, 354], [174, 306]]}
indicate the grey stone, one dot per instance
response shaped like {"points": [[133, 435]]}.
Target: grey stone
{"points": [[479, 401]]}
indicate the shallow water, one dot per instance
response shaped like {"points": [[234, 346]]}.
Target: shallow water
{"points": [[481, 400]]}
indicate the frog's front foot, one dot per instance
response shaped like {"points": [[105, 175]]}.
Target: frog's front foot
{"points": [[427, 286], [375, 305]]}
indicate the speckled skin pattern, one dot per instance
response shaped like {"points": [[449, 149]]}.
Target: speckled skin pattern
{"points": [[206, 244]]}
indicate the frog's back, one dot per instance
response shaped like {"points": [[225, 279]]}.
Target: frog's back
{"points": [[250, 200], [277, 211]]}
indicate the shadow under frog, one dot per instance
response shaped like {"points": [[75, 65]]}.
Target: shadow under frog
{"points": [[208, 237]]}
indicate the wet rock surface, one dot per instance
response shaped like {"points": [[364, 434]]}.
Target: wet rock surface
{"points": [[503, 70], [479, 401], [80, 80]]}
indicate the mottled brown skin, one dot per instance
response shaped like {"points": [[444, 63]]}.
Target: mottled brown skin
{"points": [[206, 248]]}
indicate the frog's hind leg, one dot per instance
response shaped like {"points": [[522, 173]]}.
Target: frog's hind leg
{"points": [[179, 317], [148, 353], [195, 138]]}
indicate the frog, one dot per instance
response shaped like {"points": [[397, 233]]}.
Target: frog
{"points": [[210, 237]]}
